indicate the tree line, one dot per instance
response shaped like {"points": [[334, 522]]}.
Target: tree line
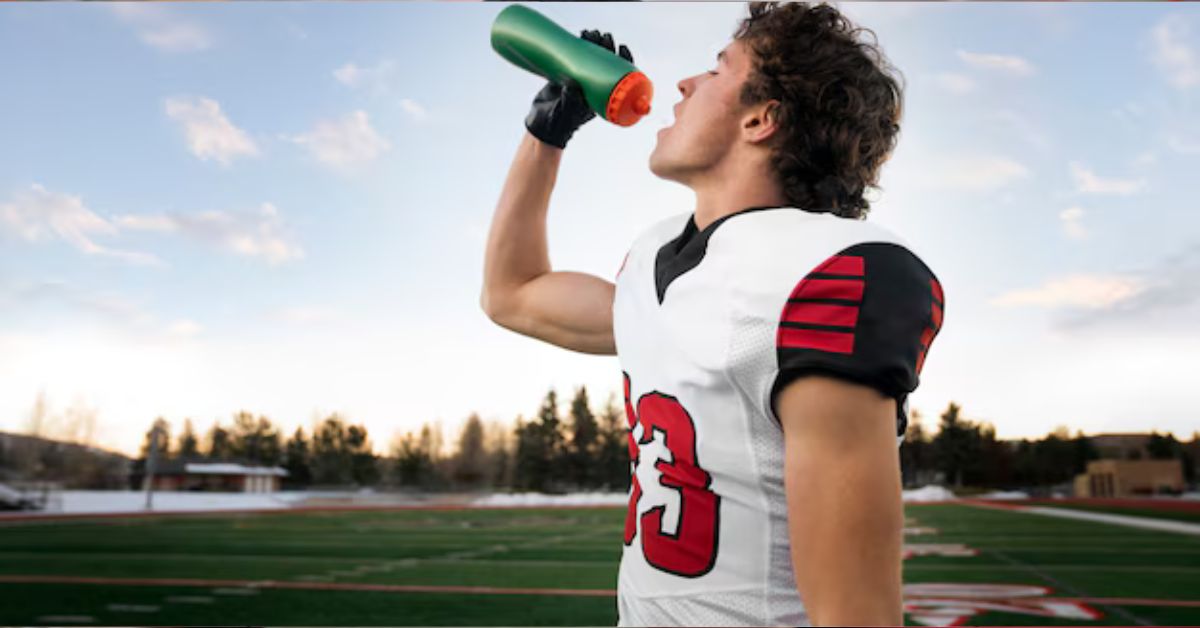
{"points": [[967, 453], [549, 452]]}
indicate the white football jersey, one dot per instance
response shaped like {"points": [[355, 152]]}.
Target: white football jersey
{"points": [[708, 325]]}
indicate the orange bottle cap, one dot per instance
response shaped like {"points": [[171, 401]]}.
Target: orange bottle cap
{"points": [[630, 99]]}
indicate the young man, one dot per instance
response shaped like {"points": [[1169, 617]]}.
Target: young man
{"points": [[768, 340]]}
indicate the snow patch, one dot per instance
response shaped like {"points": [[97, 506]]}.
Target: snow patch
{"points": [[539, 499], [1004, 495], [928, 494]]}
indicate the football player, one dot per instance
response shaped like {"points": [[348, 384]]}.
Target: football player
{"points": [[768, 339]]}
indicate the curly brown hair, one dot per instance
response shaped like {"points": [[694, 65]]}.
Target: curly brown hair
{"points": [[839, 104]]}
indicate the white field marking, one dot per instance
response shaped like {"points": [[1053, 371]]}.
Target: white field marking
{"points": [[65, 619], [189, 599], [1146, 523], [133, 608], [234, 591], [313, 578]]}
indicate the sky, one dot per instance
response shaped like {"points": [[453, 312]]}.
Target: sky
{"points": [[282, 208]]}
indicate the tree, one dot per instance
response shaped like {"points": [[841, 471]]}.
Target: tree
{"points": [[341, 454], [163, 427], [188, 446], [413, 465], [330, 455], [613, 458], [916, 451], [255, 440], [581, 454], [540, 447], [220, 446], [955, 445], [363, 468], [470, 460], [296, 459]]}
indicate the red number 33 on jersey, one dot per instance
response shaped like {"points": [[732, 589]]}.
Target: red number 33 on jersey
{"points": [[691, 551]]}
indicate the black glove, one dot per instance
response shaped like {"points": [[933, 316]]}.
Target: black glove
{"points": [[559, 110]]}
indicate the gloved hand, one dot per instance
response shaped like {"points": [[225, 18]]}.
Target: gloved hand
{"points": [[559, 110]]}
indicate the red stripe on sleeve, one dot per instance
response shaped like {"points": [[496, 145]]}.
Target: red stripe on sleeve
{"points": [[937, 316], [821, 314], [937, 290], [833, 341], [849, 289], [843, 265]]}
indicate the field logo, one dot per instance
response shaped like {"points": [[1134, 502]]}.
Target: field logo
{"points": [[938, 549], [931, 604]]}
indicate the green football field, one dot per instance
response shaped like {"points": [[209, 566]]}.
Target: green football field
{"points": [[967, 565]]}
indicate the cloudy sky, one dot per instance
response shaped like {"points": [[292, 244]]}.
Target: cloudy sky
{"points": [[282, 208]]}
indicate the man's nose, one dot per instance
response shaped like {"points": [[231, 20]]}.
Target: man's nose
{"points": [[685, 86]]}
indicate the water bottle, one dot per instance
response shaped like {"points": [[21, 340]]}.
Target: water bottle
{"points": [[612, 86]]}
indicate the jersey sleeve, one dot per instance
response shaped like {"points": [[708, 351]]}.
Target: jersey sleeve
{"points": [[867, 314]]}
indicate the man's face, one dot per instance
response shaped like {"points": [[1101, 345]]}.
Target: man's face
{"points": [[706, 121]]}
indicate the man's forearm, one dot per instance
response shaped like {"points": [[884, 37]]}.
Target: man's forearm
{"points": [[516, 248]]}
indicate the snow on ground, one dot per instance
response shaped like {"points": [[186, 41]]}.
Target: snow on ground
{"points": [[171, 501], [539, 499], [1004, 495], [928, 494], [72, 502]]}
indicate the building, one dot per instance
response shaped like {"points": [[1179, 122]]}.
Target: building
{"points": [[1121, 446], [181, 475], [1129, 478]]}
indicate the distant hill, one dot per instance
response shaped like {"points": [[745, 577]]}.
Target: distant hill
{"points": [[26, 458]]}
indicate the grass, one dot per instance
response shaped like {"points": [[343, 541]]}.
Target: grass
{"points": [[546, 552]]}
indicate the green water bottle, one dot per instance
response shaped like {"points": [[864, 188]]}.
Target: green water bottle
{"points": [[612, 86]]}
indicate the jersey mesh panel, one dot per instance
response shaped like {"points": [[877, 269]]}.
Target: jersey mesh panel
{"points": [[750, 364]]}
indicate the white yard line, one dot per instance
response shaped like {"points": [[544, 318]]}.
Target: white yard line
{"points": [[133, 608], [1147, 523], [189, 599], [65, 619]]}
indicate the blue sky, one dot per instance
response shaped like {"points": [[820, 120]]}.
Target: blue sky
{"points": [[282, 207]]}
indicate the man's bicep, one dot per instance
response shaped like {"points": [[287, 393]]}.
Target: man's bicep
{"points": [[568, 309], [842, 481]]}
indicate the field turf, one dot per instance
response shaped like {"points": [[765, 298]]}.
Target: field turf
{"points": [[542, 567]]}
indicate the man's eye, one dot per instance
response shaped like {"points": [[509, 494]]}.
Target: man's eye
{"points": [[711, 72]]}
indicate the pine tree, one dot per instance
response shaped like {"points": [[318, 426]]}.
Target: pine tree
{"points": [[581, 454], [470, 460], [189, 446], [296, 460]]}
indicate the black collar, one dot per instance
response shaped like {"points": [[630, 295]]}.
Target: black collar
{"points": [[686, 250]]}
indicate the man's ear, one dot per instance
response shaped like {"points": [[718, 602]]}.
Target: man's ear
{"points": [[761, 122]]}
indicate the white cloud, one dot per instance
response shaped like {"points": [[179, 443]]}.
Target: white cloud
{"points": [[1072, 222], [39, 214], [374, 77], [1177, 60], [414, 109], [344, 143], [161, 29], [954, 83], [980, 172], [258, 234], [1087, 291], [1088, 182], [210, 135], [1011, 64]]}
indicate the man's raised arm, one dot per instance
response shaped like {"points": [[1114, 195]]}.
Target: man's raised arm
{"points": [[520, 291]]}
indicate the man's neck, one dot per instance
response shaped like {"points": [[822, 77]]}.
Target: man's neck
{"points": [[732, 192]]}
